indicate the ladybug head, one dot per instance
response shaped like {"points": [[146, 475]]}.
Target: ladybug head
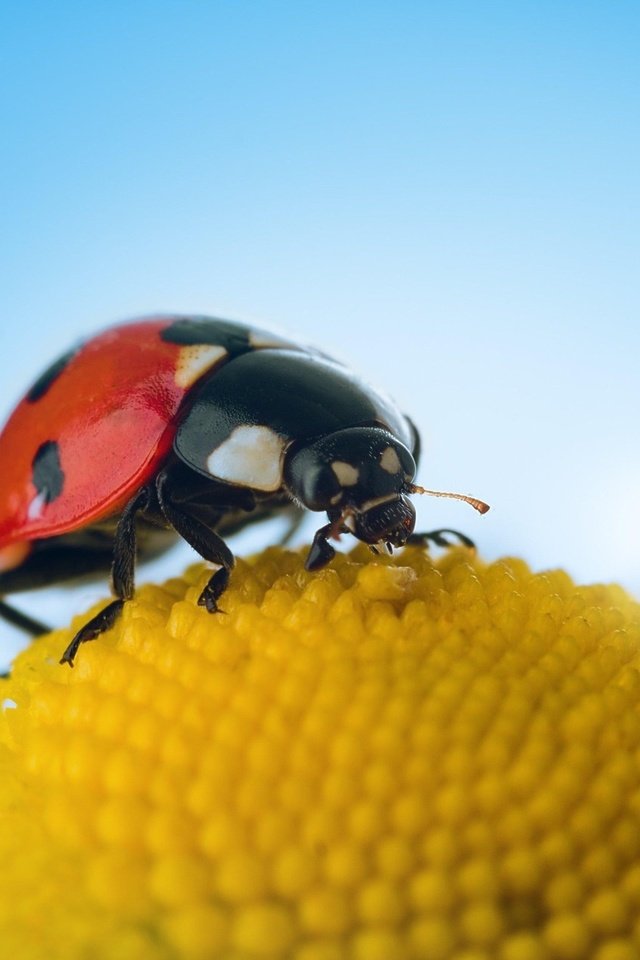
{"points": [[360, 477]]}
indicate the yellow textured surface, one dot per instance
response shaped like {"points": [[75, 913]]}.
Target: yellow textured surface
{"points": [[388, 760]]}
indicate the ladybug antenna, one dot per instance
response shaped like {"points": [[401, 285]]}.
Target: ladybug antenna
{"points": [[478, 505]]}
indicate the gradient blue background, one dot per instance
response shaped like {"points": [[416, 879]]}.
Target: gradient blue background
{"points": [[447, 195]]}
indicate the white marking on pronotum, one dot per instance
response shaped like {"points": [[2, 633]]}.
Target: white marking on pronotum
{"points": [[195, 360], [390, 461], [35, 508], [347, 474], [251, 456]]}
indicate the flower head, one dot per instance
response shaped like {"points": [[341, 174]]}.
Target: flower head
{"points": [[391, 759]]}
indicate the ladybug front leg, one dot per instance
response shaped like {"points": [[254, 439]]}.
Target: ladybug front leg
{"points": [[321, 552], [204, 541], [122, 574]]}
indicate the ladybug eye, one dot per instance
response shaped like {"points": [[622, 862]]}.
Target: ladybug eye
{"points": [[314, 478], [321, 486]]}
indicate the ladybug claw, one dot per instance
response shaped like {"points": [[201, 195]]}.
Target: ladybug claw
{"points": [[209, 602], [321, 552], [214, 590], [102, 622]]}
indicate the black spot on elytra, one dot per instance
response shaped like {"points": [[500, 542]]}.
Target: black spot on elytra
{"points": [[48, 478], [50, 375], [193, 331]]}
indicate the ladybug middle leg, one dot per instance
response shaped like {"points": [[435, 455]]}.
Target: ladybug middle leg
{"points": [[202, 538], [321, 552], [122, 574]]}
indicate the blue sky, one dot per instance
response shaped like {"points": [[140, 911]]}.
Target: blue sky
{"points": [[446, 195]]}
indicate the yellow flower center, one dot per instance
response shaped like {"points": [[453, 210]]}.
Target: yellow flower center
{"points": [[391, 759]]}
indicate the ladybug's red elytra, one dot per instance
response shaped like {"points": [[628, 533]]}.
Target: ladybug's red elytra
{"points": [[195, 427]]}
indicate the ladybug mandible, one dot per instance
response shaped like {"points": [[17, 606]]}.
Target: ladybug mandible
{"points": [[193, 426]]}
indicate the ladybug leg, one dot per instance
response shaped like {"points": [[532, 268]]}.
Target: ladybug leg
{"points": [[122, 574], [102, 622], [204, 541], [321, 552], [213, 590], [439, 538], [124, 546], [23, 622]]}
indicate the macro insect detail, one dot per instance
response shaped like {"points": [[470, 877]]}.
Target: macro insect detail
{"points": [[194, 427]]}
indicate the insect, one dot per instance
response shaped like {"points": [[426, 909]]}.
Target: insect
{"points": [[194, 427]]}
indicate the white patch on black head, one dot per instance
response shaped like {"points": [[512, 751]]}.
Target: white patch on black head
{"points": [[195, 360], [251, 456], [346, 474], [390, 461]]}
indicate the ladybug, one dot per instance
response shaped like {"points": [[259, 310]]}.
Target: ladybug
{"points": [[193, 426]]}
